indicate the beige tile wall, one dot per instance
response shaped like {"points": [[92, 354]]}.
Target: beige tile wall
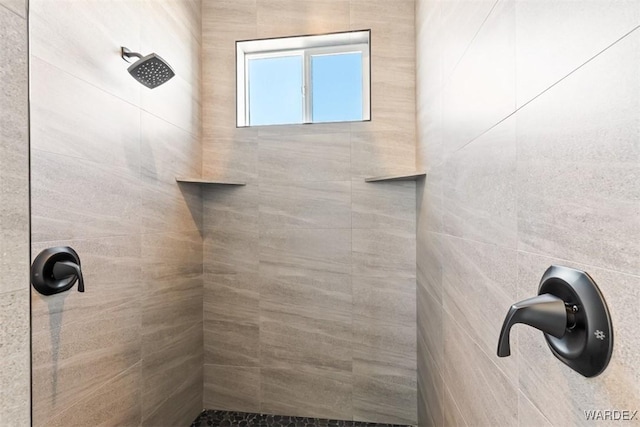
{"points": [[528, 125], [310, 272], [14, 216], [105, 151]]}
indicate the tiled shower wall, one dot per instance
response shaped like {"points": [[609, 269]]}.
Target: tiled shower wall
{"points": [[310, 272], [14, 215], [528, 125], [105, 152]]}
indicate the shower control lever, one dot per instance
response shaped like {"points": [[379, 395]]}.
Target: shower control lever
{"points": [[66, 269], [56, 270], [571, 312], [544, 312]]}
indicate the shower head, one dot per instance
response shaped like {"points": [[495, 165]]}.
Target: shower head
{"points": [[150, 70]]}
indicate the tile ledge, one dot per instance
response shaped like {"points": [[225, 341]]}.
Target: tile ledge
{"points": [[409, 176], [205, 181]]}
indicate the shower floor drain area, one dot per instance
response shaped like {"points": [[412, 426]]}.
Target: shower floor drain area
{"points": [[242, 419]]}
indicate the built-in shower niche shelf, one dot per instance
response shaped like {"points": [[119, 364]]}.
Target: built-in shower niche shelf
{"points": [[205, 181], [409, 176]]}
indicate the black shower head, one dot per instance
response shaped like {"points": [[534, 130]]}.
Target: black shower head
{"points": [[150, 70]]}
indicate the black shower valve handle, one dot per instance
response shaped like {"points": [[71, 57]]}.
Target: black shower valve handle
{"points": [[65, 269], [546, 313], [571, 312], [56, 270]]}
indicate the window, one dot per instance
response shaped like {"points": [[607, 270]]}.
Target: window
{"points": [[306, 79]]}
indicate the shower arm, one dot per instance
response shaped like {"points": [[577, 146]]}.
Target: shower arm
{"points": [[126, 54]]}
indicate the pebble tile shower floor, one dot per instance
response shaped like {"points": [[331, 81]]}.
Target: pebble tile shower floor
{"points": [[242, 419]]}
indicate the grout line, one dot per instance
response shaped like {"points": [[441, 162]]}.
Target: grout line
{"points": [[103, 90], [453, 70], [545, 90], [5, 7], [539, 254], [479, 345], [523, 395]]}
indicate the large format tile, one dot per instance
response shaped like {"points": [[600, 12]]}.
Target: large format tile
{"points": [[15, 75], [14, 354], [232, 388], [231, 250], [231, 319], [116, 402], [385, 299], [578, 150], [429, 314], [170, 28], [74, 118], [168, 152], [225, 15], [430, 378], [177, 102], [554, 38], [384, 398], [67, 205], [429, 130], [278, 18], [232, 297], [392, 28], [384, 368], [475, 382], [481, 89], [76, 360], [383, 253], [231, 343], [231, 207], [460, 22], [17, 6], [383, 204], [306, 319], [452, 414], [529, 415], [14, 151], [181, 407], [306, 391], [479, 189], [543, 377], [286, 251], [169, 369], [286, 204], [231, 158], [430, 201], [382, 349], [429, 262], [112, 271], [172, 303], [383, 152], [480, 284], [305, 157], [84, 39]]}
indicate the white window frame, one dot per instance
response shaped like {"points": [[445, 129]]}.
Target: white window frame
{"points": [[305, 47]]}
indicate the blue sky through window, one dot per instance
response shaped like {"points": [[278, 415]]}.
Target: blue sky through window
{"points": [[337, 87], [275, 89]]}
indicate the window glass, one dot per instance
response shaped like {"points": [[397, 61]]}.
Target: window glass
{"points": [[336, 87], [275, 90], [303, 79]]}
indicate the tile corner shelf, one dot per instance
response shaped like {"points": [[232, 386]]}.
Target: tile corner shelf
{"points": [[208, 181], [409, 176]]}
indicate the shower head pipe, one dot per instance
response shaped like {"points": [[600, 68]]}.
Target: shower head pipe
{"points": [[126, 54]]}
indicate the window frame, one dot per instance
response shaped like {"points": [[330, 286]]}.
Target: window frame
{"points": [[319, 45]]}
